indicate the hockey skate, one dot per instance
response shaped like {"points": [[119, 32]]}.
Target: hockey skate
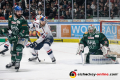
{"points": [[10, 65], [33, 58], [53, 60], [17, 65]]}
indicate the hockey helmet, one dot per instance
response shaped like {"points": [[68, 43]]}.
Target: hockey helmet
{"points": [[93, 28], [42, 18]]}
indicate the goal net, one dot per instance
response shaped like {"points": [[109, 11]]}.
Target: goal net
{"points": [[111, 29]]}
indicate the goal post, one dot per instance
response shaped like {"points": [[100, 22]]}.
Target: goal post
{"points": [[110, 28]]}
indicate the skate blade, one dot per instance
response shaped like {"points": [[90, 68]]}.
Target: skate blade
{"points": [[17, 70]]}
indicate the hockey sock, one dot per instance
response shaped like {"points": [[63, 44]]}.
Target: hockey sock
{"points": [[49, 51], [13, 56], [19, 49]]}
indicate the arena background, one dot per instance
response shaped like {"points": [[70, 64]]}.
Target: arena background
{"points": [[68, 19]]}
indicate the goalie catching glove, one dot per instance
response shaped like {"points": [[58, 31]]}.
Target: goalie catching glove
{"points": [[80, 49], [105, 50]]}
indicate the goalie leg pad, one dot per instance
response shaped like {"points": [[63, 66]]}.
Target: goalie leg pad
{"points": [[100, 59]]}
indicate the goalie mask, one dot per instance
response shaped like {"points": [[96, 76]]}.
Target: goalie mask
{"points": [[91, 29], [18, 11]]}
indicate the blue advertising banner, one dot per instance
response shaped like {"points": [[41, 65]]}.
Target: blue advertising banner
{"points": [[110, 31], [79, 30]]}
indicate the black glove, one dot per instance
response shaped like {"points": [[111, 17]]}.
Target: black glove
{"points": [[32, 45]]}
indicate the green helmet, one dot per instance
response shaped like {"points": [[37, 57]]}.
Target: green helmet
{"points": [[91, 27]]}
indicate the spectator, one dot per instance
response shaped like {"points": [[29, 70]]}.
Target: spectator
{"points": [[4, 10], [83, 8], [93, 5], [50, 16], [112, 14], [107, 4], [101, 12], [89, 10], [77, 14], [106, 12], [115, 10], [61, 2], [95, 11], [65, 5], [80, 7], [54, 12], [69, 4], [2, 3], [62, 12], [89, 16], [82, 14], [67, 15], [23, 5], [101, 5], [26, 13], [47, 10], [1, 13], [101, 1], [56, 4], [115, 1]]}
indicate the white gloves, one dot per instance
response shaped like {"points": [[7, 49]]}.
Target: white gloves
{"points": [[80, 49]]}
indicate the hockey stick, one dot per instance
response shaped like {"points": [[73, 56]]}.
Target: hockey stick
{"points": [[34, 50]]}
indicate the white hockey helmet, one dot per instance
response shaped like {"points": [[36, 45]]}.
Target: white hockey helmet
{"points": [[93, 28]]}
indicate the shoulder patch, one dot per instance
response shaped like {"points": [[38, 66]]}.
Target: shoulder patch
{"points": [[86, 32], [10, 16], [24, 25]]}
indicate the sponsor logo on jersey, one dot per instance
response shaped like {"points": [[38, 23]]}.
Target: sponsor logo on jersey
{"points": [[13, 22], [96, 35], [24, 25], [18, 22], [38, 33], [90, 37]]}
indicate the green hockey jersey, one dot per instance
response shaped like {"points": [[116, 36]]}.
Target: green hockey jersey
{"points": [[93, 42], [18, 26]]}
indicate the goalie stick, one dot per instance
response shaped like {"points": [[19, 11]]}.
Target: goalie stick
{"points": [[80, 54]]}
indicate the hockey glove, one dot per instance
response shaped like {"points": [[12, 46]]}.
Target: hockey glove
{"points": [[80, 49], [13, 39], [105, 50], [33, 45], [3, 30]]}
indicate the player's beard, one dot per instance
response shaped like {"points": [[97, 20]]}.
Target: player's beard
{"points": [[18, 16], [42, 25]]}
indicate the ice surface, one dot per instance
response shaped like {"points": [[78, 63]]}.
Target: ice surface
{"points": [[67, 61]]}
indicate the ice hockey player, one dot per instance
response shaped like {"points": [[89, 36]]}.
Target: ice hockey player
{"points": [[45, 39], [5, 48], [93, 39], [6, 45], [19, 36]]}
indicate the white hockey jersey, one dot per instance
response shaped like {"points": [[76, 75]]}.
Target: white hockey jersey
{"points": [[38, 17], [42, 32]]}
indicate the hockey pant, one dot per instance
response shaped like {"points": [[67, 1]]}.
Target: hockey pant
{"points": [[16, 49], [46, 45]]}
